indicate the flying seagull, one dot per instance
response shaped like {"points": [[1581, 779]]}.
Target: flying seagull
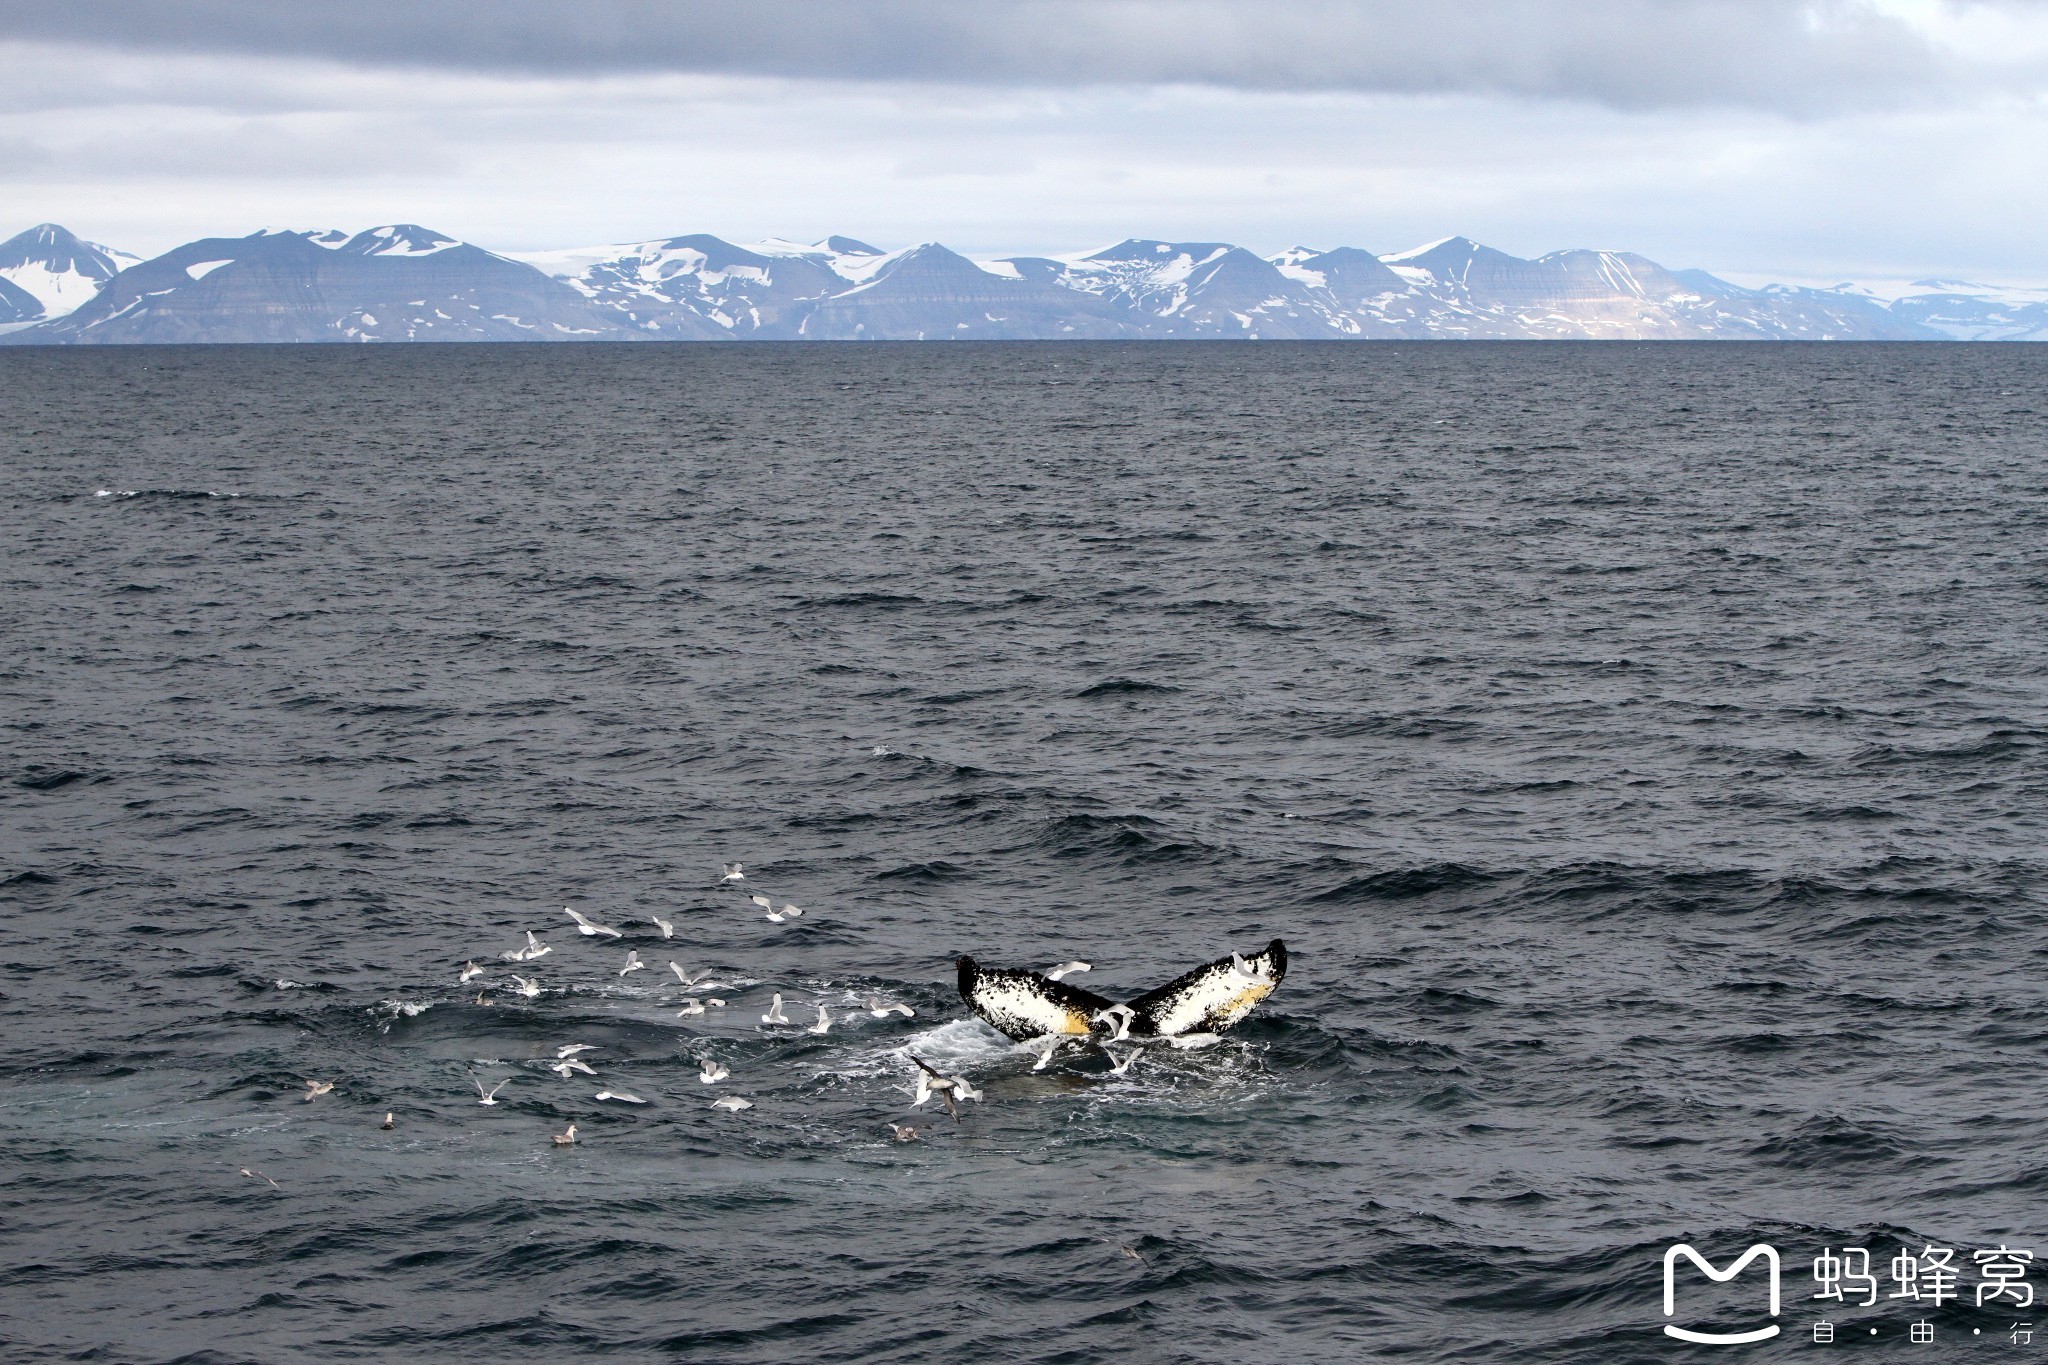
{"points": [[489, 1096], [947, 1088], [824, 1024], [470, 971], [620, 1095], [710, 1072], [633, 962], [1066, 969], [733, 1103], [529, 986], [732, 873], [534, 947], [1119, 1018], [667, 927], [315, 1089], [567, 1065], [775, 1014], [586, 928], [571, 1049], [882, 1011], [692, 1007]]}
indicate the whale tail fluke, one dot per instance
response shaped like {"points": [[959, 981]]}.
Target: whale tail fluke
{"points": [[1210, 999]]}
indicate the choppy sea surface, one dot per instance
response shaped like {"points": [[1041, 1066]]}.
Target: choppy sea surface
{"points": [[1640, 749]]}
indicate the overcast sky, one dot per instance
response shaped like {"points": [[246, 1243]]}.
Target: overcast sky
{"points": [[1848, 139]]}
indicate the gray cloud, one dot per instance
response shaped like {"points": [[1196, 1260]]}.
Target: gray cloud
{"points": [[1629, 54]]}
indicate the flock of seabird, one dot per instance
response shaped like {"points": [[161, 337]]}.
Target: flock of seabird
{"points": [[1043, 1011], [568, 1062]]}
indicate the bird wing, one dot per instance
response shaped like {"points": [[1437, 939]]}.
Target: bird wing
{"points": [[1212, 997], [1022, 1005]]}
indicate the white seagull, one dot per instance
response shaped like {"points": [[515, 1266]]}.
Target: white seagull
{"points": [[1118, 1068], [692, 1007], [733, 1103], [775, 1014], [732, 873], [529, 986], [620, 1095], [571, 1049], [586, 928], [489, 1096], [667, 927], [1118, 1017], [470, 971], [1186, 1041], [568, 1065], [633, 962], [315, 1089], [688, 979], [710, 1072], [824, 1024], [515, 955], [882, 1011], [948, 1088], [534, 947], [1066, 969]]}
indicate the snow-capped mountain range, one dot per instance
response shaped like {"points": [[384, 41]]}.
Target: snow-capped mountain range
{"points": [[407, 283]]}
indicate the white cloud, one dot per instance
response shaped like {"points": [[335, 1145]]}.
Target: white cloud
{"points": [[1789, 55]]}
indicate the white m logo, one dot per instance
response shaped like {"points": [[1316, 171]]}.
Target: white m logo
{"points": [[1770, 1255]]}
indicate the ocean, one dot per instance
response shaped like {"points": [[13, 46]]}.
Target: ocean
{"points": [[1639, 748]]}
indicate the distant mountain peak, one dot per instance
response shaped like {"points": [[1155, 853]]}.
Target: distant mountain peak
{"points": [[58, 249], [849, 246], [1147, 250], [1453, 245], [398, 239], [56, 268]]}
